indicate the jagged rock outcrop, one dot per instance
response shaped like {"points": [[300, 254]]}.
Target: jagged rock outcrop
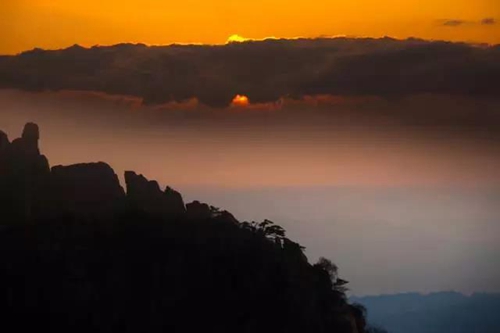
{"points": [[198, 211], [4, 191], [28, 143], [4, 146], [30, 189], [175, 200], [24, 173], [4, 141], [146, 195], [86, 189], [227, 217], [25, 153]]}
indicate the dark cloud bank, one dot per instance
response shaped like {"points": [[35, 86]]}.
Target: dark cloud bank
{"points": [[265, 71]]}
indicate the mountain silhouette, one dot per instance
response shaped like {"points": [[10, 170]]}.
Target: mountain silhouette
{"points": [[81, 254], [434, 313]]}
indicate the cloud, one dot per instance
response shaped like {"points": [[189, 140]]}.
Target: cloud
{"points": [[264, 71], [458, 23], [488, 21], [454, 23], [441, 115]]}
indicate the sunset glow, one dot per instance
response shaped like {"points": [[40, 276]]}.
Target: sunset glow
{"points": [[240, 101], [55, 24], [236, 39]]}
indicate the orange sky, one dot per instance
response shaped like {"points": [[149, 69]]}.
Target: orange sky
{"points": [[26, 24]]}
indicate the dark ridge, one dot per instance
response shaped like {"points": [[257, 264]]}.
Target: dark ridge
{"points": [[79, 254]]}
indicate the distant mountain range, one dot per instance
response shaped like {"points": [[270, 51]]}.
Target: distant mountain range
{"points": [[443, 312]]}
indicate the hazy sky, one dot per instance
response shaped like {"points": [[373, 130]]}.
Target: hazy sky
{"points": [[398, 207], [25, 24]]}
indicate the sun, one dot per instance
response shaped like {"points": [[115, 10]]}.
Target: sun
{"points": [[240, 101], [236, 39]]}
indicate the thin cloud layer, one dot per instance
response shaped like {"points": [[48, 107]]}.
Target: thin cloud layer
{"points": [[488, 21], [454, 23], [264, 71]]}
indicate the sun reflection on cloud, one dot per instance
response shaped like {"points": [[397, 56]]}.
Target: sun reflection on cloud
{"points": [[240, 101]]}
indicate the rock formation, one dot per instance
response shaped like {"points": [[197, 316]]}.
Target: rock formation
{"points": [[86, 189], [175, 201], [28, 143], [4, 146], [198, 211], [146, 195], [4, 141], [30, 189], [24, 174]]}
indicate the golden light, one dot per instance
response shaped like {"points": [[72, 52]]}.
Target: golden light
{"points": [[240, 101], [236, 39], [61, 23]]}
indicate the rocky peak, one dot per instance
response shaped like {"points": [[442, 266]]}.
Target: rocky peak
{"points": [[27, 144], [23, 173], [4, 141], [138, 185], [198, 211], [89, 189], [175, 198], [29, 188], [31, 132], [147, 195]]}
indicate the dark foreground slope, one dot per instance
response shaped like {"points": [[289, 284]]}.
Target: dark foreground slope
{"points": [[79, 254]]}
